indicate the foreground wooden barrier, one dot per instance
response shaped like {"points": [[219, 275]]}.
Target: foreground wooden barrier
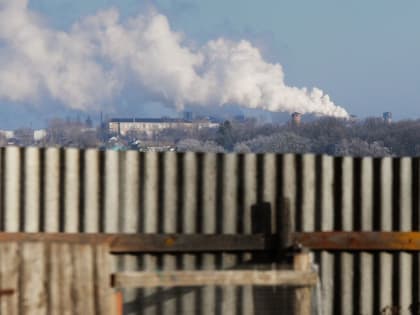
{"points": [[301, 279], [54, 278]]}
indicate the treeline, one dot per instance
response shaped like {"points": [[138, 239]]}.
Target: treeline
{"points": [[338, 137], [369, 137]]}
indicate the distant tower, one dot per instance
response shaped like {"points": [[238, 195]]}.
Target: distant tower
{"points": [[387, 117], [296, 118], [188, 116]]}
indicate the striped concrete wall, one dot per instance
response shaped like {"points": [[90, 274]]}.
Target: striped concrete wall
{"points": [[93, 191]]}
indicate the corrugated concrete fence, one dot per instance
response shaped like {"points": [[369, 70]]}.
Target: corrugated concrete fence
{"points": [[92, 191]]}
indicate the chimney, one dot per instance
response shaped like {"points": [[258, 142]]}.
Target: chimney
{"points": [[296, 118]]}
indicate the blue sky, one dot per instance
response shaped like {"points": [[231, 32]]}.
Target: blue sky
{"points": [[364, 54]]}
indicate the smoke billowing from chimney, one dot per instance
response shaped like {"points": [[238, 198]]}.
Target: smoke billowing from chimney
{"points": [[92, 63]]}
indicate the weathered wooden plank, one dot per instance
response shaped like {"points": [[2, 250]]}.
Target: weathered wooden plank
{"points": [[103, 292], [195, 243], [360, 241], [303, 301], [66, 270], [188, 243], [9, 277], [220, 278], [83, 283], [32, 288], [54, 281]]}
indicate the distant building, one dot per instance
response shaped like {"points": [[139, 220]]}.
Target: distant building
{"points": [[149, 126], [40, 134], [387, 116], [8, 134], [188, 116]]}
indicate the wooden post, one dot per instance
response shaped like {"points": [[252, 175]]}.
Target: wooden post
{"points": [[303, 298]]}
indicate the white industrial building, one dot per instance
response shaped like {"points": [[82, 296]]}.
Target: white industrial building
{"points": [[149, 126]]}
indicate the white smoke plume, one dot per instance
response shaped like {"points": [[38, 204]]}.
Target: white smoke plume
{"points": [[90, 64]]}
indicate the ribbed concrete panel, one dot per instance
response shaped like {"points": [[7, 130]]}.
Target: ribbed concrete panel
{"points": [[112, 187], [91, 210], [269, 186], [51, 189], [12, 189], [308, 169], [31, 191], [289, 186], [249, 189], [88, 191], [71, 191]]}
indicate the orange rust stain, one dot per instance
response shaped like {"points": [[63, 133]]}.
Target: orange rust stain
{"points": [[170, 241], [119, 303]]}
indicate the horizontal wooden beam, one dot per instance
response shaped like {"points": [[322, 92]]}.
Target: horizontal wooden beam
{"points": [[196, 243], [174, 243], [360, 241], [153, 243], [218, 278]]}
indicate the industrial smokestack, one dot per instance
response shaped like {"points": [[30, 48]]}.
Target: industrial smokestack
{"points": [[387, 116], [296, 119]]}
